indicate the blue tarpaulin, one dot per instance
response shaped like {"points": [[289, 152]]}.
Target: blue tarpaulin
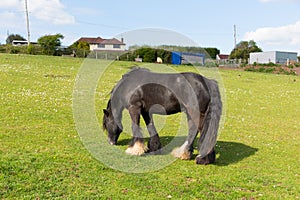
{"points": [[179, 58]]}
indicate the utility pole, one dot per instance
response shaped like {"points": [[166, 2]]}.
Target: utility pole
{"points": [[27, 23], [234, 34]]}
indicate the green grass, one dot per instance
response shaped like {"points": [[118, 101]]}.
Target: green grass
{"points": [[43, 157]]}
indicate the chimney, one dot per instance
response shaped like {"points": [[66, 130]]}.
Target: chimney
{"points": [[122, 40]]}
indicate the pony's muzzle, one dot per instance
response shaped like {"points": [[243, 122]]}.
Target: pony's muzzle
{"points": [[111, 142]]}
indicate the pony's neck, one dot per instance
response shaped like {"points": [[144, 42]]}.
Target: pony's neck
{"points": [[116, 110]]}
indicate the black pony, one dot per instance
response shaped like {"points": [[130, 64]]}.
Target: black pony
{"points": [[146, 93]]}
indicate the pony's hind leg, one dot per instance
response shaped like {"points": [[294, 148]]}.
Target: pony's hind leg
{"points": [[137, 146], [211, 156], [185, 152]]}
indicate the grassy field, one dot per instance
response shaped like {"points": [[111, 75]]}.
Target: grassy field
{"points": [[43, 157]]}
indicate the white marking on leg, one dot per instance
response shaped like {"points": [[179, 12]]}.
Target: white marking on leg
{"points": [[182, 152], [137, 149]]}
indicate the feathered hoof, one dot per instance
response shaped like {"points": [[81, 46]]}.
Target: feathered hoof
{"points": [[182, 154], [137, 149], [210, 158]]}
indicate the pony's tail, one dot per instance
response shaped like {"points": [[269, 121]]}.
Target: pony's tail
{"points": [[211, 122]]}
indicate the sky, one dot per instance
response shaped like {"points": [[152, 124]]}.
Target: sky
{"points": [[272, 24]]}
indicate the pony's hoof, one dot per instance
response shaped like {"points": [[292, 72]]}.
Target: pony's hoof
{"points": [[157, 152], [183, 155], [210, 158], [154, 146], [182, 152], [137, 149]]}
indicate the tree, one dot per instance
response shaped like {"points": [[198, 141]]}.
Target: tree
{"points": [[147, 54], [81, 45], [243, 50], [13, 37], [81, 48], [212, 52], [49, 43]]}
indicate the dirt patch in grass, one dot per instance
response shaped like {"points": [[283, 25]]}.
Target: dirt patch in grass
{"points": [[274, 69], [268, 69], [297, 70]]}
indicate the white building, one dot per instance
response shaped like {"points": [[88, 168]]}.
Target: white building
{"points": [[21, 42], [100, 44], [273, 57]]}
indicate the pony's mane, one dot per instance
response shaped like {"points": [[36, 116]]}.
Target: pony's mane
{"points": [[108, 107]]}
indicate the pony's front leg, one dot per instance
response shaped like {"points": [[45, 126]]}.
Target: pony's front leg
{"points": [[154, 145], [136, 146], [185, 152]]}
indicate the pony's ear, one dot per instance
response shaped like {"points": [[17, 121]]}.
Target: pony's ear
{"points": [[106, 113]]}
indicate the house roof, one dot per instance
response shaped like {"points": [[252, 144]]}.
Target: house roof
{"points": [[100, 40], [223, 57], [112, 41], [91, 40]]}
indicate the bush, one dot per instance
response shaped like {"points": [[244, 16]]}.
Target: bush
{"points": [[270, 64], [278, 70], [148, 55], [207, 64], [261, 69], [34, 49], [31, 49], [16, 49], [128, 56], [270, 70]]}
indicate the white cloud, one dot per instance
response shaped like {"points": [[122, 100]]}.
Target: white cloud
{"points": [[52, 11], [11, 4], [283, 35], [11, 20]]}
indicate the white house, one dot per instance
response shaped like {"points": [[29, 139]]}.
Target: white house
{"points": [[273, 57], [21, 42], [100, 44]]}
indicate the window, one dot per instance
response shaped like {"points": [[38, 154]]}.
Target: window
{"points": [[117, 46], [101, 45]]}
